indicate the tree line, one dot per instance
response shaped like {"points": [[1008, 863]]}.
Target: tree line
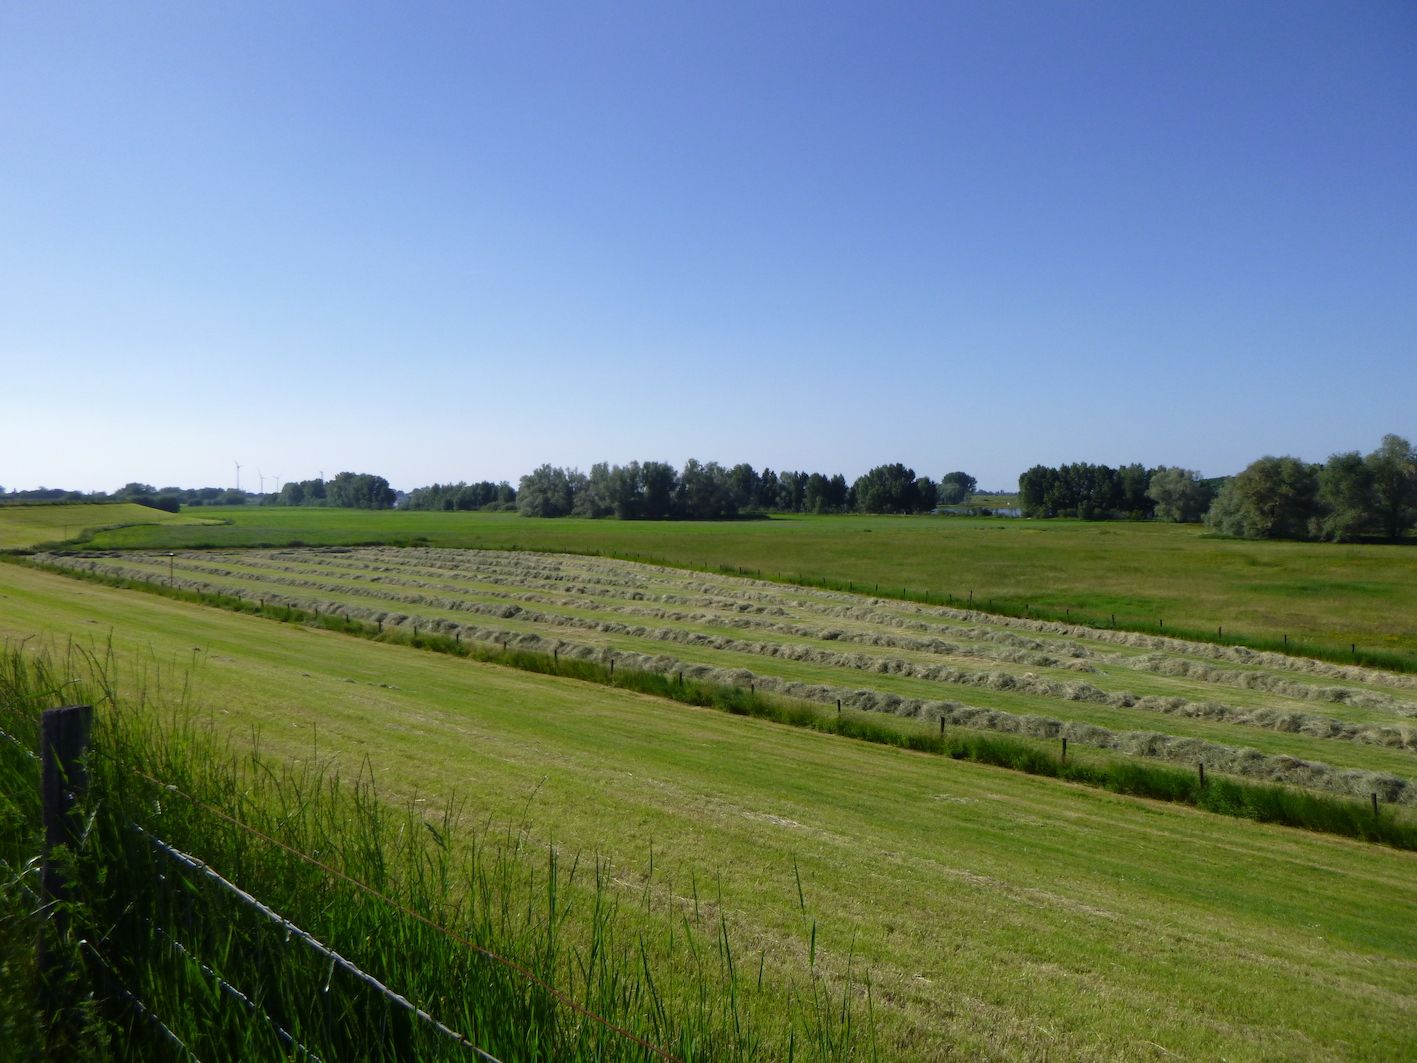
{"points": [[1351, 496], [461, 497], [349, 490], [655, 490], [1100, 492]]}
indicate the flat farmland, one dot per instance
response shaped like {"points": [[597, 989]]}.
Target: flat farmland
{"points": [[1263, 716], [998, 915], [1321, 595]]}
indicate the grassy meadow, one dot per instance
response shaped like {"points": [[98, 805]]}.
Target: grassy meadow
{"points": [[1267, 717], [1149, 576], [998, 915], [25, 525]]}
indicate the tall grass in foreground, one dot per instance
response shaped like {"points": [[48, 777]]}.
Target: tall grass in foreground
{"points": [[548, 956]]}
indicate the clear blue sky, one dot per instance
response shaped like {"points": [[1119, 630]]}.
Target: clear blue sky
{"points": [[454, 241]]}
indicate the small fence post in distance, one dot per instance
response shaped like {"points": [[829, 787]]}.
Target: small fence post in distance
{"points": [[1375, 804], [838, 706], [1201, 765], [942, 727], [1065, 750], [63, 781]]}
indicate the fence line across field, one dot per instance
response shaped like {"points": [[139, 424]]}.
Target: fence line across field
{"points": [[143, 1010], [230, 990], [349, 967], [451, 935], [8, 737], [195, 864]]}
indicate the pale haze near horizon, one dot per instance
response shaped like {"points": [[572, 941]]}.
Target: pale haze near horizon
{"points": [[453, 242]]}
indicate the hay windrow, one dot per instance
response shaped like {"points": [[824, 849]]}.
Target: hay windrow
{"points": [[557, 601]]}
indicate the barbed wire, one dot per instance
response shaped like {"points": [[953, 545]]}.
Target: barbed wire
{"points": [[349, 967], [286, 1037], [144, 1010], [452, 935], [481, 950], [22, 747]]}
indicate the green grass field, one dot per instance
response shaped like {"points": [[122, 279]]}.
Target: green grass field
{"points": [[1264, 716], [999, 915], [24, 525], [1321, 596]]}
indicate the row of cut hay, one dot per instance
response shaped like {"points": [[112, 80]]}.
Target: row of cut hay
{"points": [[524, 569], [569, 567], [1246, 763], [537, 653], [882, 612], [1286, 721], [742, 618], [1030, 652]]}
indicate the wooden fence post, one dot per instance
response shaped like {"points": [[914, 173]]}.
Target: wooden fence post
{"points": [[63, 781]]}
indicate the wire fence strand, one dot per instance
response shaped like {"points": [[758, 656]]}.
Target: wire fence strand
{"points": [[19, 745], [143, 1010], [452, 935], [314, 943], [286, 1038]]}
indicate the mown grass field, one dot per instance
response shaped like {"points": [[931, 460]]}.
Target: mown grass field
{"points": [[24, 525], [1320, 595], [1264, 716], [999, 915]]}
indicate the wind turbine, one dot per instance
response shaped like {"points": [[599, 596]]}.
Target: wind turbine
{"points": [[263, 479], [238, 475]]}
